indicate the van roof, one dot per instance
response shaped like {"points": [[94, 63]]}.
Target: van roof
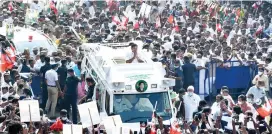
{"points": [[22, 34]]}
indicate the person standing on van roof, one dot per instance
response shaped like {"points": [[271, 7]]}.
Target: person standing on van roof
{"points": [[133, 56]]}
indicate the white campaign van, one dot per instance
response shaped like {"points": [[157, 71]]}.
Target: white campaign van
{"points": [[29, 38], [131, 90]]}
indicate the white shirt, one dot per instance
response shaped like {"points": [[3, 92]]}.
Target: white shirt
{"points": [[70, 65], [38, 65], [190, 104], [51, 76], [167, 46], [257, 92], [92, 11], [131, 54], [215, 107], [35, 6]]}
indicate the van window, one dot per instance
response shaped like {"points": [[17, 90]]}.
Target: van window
{"points": [[107, 103]]}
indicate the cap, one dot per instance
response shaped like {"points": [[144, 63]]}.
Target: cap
{"points": [[63, 112]]}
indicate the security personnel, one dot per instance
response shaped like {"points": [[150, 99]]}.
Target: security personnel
{"points": [[70, 94], [53, 89]]}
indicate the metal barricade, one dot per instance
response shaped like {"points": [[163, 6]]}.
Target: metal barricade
{"points": [[235, 76]]}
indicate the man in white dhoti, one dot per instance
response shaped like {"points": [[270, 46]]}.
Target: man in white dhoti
{"points": [[191, 101], [200, 63]]}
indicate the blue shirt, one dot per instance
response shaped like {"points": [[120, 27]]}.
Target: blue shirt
{"points": [[178, 73], [77, 71]]}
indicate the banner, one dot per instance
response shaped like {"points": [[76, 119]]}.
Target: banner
{"points": [[29, 111]]}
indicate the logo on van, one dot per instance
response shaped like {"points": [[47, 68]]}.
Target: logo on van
{"points": [[141, 86]]}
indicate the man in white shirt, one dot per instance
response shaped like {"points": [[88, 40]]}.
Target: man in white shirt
{"points": [[39, 63], [258, 90], [35, 6], [191, 102], [53, 88], [133, 56], [70, 63]]}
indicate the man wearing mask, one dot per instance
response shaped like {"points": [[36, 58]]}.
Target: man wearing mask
{"points": [[261, 76], [63, 117], [258, 90], [191, 102], [242, 102], [53, 88], [70, 94], [178, 76]]}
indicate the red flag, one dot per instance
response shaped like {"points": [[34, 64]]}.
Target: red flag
{"points": [[136, 25], [174, 128], [10, 6], [176, 28], [116, 20], [57, 126], [218, 27], [170, 19], [53, 7], [124, 21], [158, 22], [255, 5], [259, 31], [263, 107]]}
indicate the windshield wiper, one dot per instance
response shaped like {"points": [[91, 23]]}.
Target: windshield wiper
{"points": [[137, 118]]}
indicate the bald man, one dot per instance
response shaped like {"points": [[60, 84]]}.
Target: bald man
{"points": [[191, 101]]}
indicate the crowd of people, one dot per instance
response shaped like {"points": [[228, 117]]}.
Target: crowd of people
{"points": [[183, 36]]}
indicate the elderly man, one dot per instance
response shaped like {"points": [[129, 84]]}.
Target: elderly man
{"points": [[191, 101], [258, 90]]}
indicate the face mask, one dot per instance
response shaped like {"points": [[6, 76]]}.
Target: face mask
{"points": [[260, 73], [190, 93], [249, 100], [64, 118], [240, 103], [118, 100], [68, 75]]}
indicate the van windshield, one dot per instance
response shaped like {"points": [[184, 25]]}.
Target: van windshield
{"points": [[139, 107]]}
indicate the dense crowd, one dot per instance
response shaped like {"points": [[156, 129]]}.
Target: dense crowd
{"points": [[184, 36]]}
